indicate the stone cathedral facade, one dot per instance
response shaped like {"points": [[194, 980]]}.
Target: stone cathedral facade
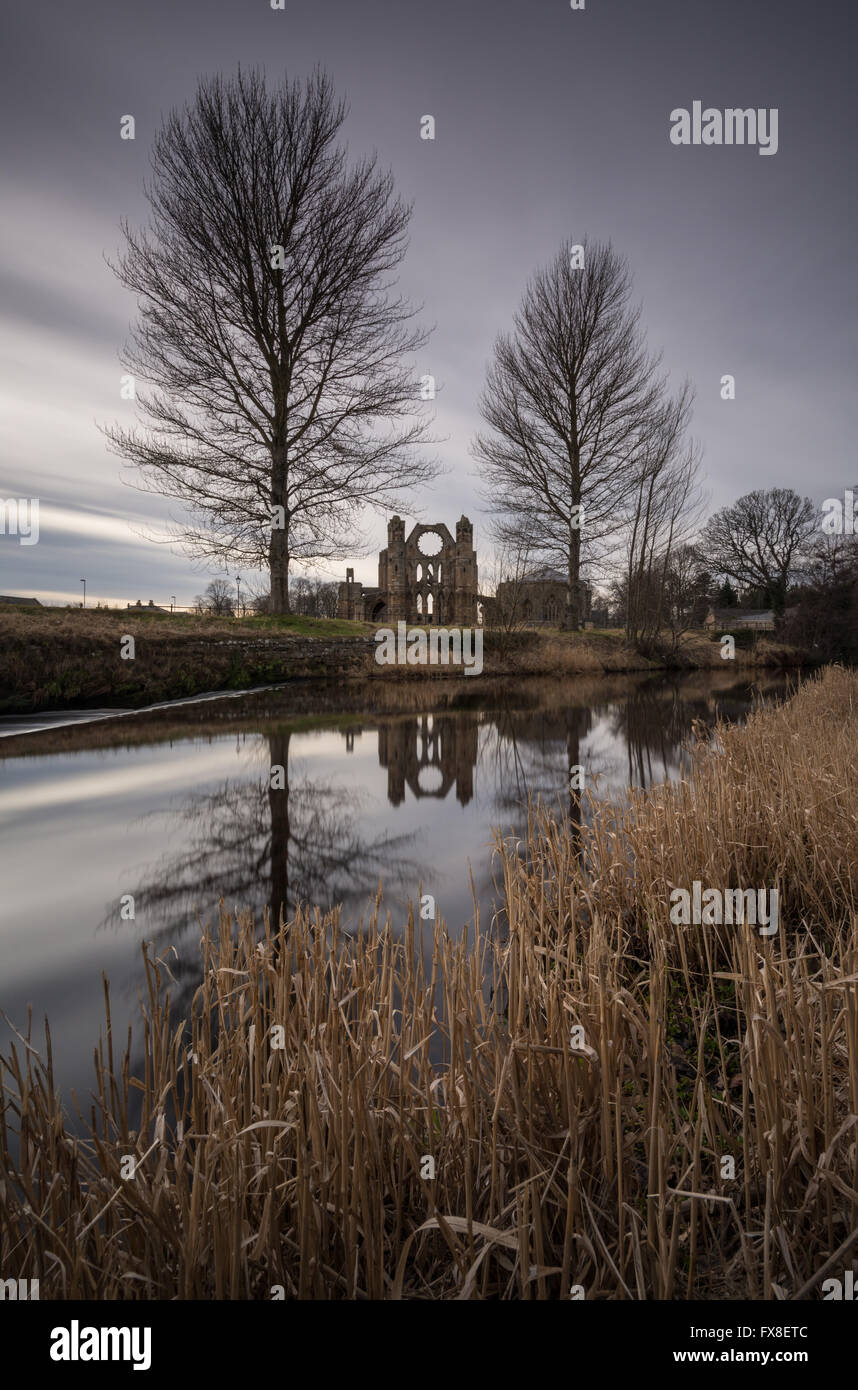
{"points": [[426, 577]]}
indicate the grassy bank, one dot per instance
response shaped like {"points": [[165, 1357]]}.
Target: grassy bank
{"points": [[70, 658], [296, 1133], [67, 658]]}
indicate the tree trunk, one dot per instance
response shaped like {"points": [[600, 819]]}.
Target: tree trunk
{"points": [[573, 590], [278, 564], [278, 803], [278, 550]]}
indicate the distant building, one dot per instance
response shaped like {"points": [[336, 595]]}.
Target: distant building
{"points": [[741, 619], [538, 598], [20, 602], [429, 578], [150, 607]]}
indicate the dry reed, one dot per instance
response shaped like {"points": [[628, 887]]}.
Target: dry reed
{"points": [[576, 1080]]}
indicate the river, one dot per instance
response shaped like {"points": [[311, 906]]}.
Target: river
{"points": [[122, 831]]}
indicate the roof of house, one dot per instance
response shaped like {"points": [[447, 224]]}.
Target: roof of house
{"points": [[17, 598], [546, 574], [743, 615]]}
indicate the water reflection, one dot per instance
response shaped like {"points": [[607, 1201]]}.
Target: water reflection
{"points": [[179, 817], [255, 845], [429, 754]]}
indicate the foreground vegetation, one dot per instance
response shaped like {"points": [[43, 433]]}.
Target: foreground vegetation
{"points": [[69, 658], [576, 1080]]}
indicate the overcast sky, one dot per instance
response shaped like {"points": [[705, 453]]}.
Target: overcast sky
{"points": [[550, 123]]}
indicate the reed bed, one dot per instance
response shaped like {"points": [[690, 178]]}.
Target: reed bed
{"points": [[546, 1107]]}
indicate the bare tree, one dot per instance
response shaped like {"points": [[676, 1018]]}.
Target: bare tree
{"points": [[824, 617], [829, 557], [309, 597], [268, 334], [664, 513], [315, 598], [505, 577], [685, 584], [762, 540], [218, 598], [572, 400]]}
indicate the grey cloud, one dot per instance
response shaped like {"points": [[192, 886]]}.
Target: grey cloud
{"points": [[549, 121]]}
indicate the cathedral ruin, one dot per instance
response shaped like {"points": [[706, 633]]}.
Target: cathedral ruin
{"points": [[428, 578]]}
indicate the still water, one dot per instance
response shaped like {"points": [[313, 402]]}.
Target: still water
{"points": [[179, 817]]}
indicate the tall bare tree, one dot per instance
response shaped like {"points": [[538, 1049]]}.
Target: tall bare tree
{"points": [[762, 540], [504, 581], [663, 515], [269, 339], [573, 400]]}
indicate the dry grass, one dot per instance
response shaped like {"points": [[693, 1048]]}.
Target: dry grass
{"points": [[597, 1164], [552, 652]]}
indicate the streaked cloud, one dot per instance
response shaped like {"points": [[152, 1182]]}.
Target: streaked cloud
{"points": [[548, 121]]}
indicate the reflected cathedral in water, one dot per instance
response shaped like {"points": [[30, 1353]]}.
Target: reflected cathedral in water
{"points": [[370, 808], [430, 754]]}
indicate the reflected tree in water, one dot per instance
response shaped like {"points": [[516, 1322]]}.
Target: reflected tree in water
{"points": [[258, 846]]}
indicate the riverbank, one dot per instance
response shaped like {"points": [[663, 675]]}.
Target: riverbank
{"points": [[626, 1108], [73, 658], [298, 705]]}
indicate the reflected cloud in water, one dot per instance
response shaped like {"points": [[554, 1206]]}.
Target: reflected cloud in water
{"points": [[407, 800]]}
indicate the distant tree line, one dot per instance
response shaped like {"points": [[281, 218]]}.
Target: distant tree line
{"points": [[768, 551], [312, 598]]}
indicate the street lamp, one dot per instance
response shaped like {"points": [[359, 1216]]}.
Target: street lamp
{"points": [[238, 589], [172, 602], [83, 582]]}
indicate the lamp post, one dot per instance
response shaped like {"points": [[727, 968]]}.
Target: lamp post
{"points": [[83, 582], [172, 602], [238, 589]]}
